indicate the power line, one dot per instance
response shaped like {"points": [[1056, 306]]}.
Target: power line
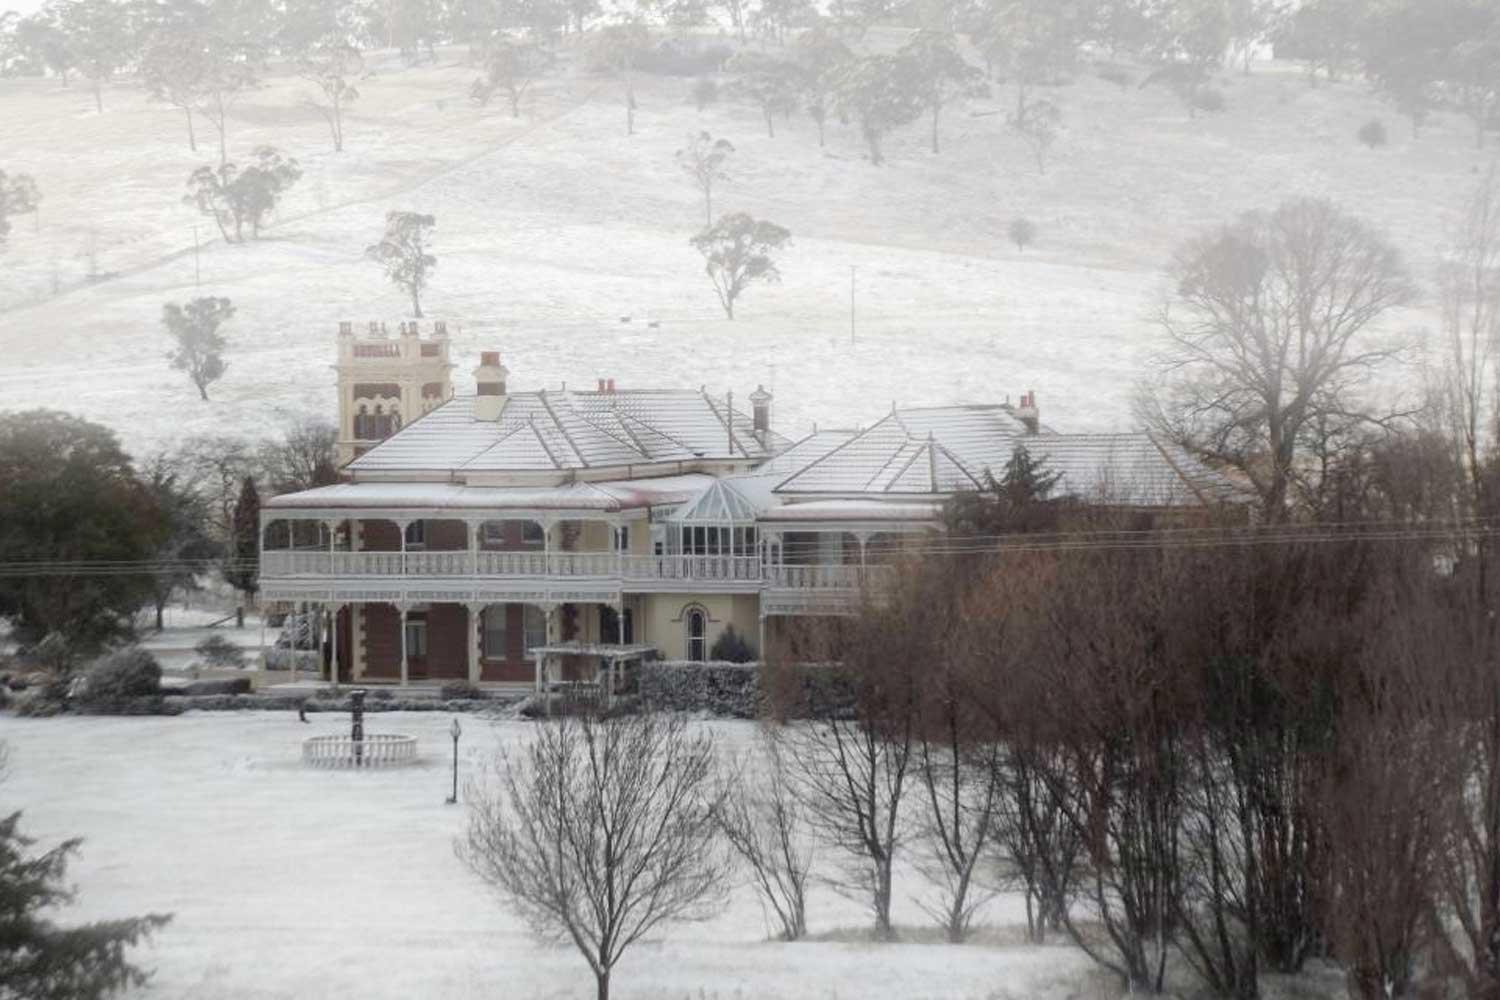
{"points": [[1373, 531]]}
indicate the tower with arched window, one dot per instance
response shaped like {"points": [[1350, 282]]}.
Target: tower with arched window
{"points": [[386, 382]]}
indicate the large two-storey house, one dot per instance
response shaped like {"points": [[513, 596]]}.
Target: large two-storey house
{"points": [[516, 534]]}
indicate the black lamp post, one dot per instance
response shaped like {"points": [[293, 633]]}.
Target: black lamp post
{"points": [[456, 730]]}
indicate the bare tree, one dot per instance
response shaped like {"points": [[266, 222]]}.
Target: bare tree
{"points": [[962, 782], [737, 252], [765, 826], [303, 458], [1469, 289], [1271, 325], [853, 761], [600, 832], [703, 159]]}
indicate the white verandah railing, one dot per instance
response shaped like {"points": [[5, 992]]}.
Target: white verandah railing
{"points": [[611, 565]]}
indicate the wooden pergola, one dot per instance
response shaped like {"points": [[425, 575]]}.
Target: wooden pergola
{"points": [[610, 655]]}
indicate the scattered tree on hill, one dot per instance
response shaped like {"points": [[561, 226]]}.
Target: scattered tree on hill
{"points": [[312, 24], [703, 159], [1324, 35], [231, 71], [938, 73], [821, 56], [232, 197], [768, 83], [1031, 42], [1270, 336], [1251, 24], [617, 48], [876, 92], [41, 46], [775, 19], [1423, 53], [70, 494], [510, 68], [198, 346], [18, 195], [41, 960], [333, 67], [602, 831], [1039, 126], [737, 11], [737, 252], [402, 251], [1022, 233], [174, 69], [97, 34]]}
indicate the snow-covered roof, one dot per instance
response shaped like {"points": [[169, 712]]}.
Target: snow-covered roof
{"points": [[934, 452], [563, 431], [605, 496]]}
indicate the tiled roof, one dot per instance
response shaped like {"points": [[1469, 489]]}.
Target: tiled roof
{"points": [[938, 451], [559, 431]]}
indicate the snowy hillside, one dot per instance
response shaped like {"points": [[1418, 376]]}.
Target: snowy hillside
{"points": [[553, 227]]}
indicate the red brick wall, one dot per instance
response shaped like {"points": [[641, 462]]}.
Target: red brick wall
{"points": [[515, 666], [447, 642], [447, 536], [380, 536], [382, 644]]}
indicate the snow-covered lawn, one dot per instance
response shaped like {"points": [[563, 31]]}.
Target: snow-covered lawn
{"points": [[288, 882], [554, 226]]}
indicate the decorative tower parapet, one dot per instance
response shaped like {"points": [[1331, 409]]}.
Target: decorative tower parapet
{"points": [[386, 382]]}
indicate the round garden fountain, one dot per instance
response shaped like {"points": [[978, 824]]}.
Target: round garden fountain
{"points": [[359, 749]]}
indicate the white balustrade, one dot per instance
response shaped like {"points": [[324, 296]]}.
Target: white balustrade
{"points": [[532, 563], [375, 750]]}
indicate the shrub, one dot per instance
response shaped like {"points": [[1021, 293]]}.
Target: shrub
{"points": [[225, 685], [705, 92], [731, 647], [131, 672], [1022, 233], [1116, 74], [460, 691], [728, 690], [218, 651], [54, 654], [1372, 133], [1208, 99]]}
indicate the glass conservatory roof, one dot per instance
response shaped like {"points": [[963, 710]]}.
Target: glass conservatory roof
{"points": [[721, 503]]}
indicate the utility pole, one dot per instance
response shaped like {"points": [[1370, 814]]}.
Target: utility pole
{"points": [[851, 305]]}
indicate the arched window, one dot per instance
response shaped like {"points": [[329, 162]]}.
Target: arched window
{"points": [[696, 624]]}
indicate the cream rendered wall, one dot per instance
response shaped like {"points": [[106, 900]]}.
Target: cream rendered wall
{"points": [[663, 617]]}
